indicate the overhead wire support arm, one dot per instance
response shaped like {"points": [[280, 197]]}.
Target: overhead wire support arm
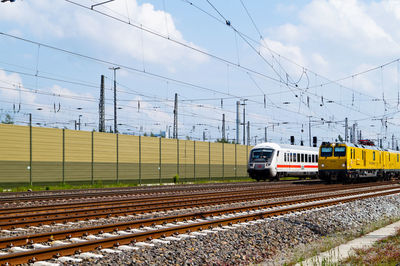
{"points": [[102, 3]]}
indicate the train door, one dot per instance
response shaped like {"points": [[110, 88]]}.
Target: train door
{"points": [[365, 158], [357, 156]]}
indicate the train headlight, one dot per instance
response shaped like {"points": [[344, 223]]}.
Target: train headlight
{"points": [[343, 165], [252, 165], [322, 165]]}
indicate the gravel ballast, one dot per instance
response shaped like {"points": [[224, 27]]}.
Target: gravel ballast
{"points": [[266, 242]]}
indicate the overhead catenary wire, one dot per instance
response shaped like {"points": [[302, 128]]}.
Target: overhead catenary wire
{"points": [[198, 50], [263, 44], [189, 46], [236, 96], [128, 68]]}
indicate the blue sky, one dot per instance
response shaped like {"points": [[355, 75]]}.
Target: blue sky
{"points": [[303, 45]]}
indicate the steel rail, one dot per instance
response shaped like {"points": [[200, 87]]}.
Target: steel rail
{"points": [[60, 194], [149, 198], [9, 222], [14, 212], [62, 234], [90, 245]]}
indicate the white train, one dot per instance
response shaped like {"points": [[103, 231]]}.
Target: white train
{"points": [[273, 161]]}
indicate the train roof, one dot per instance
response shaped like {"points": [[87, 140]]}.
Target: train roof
{"points": [[285, 146], [349, 144]]}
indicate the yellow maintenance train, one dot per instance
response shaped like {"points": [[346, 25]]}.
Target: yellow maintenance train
{"points": [[347, 162]]}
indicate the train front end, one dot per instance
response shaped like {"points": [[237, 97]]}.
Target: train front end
{"points": [[332, 163], [260, 163]]}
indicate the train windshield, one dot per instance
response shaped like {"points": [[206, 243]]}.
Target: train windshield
{"points": [[326, 151], [340, 151], [261, 154]]}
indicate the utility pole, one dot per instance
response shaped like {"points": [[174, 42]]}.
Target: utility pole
{"points": [[79, 123], [115, 98], [393, 148], [175, 129], [244, 121], [354, 140], [265, 134], [204, 135], [102, 125], [309, 130], [75, 124], [30, 149], [346, 130], [237, 121], [223, 127], [248, 132]]}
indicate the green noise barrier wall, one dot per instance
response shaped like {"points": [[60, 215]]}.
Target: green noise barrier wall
{"points": [[47, 155]]}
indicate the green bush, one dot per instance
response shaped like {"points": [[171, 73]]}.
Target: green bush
{"points": [[176, 179]]}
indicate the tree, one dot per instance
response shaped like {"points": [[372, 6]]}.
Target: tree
{"points": [[225, 141], [340, 138], [8, 120]]}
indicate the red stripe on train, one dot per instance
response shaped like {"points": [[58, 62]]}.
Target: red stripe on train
{"points": [[295, 166], [288, 166]]}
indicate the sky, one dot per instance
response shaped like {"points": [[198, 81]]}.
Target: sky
{"points": [[293, 65]]}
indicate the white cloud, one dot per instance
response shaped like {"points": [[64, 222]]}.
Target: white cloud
{"points": [[289, 33], [11, 89], [55, 19], [291, 52], [349, 24]]}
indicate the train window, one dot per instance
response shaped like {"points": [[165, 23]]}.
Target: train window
{"points": [[261, 154], [309, 158], [298, 157], [351, 153], [284, 157], [302, 158], [326, 151], [389, 157], [316, 156], [373, 156], [294, 157], [305, 158], [397, 158], [340, 151]]}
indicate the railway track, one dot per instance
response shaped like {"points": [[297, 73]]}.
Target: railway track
{"points": [[165, 228], [9, 197], [12, 218]]}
